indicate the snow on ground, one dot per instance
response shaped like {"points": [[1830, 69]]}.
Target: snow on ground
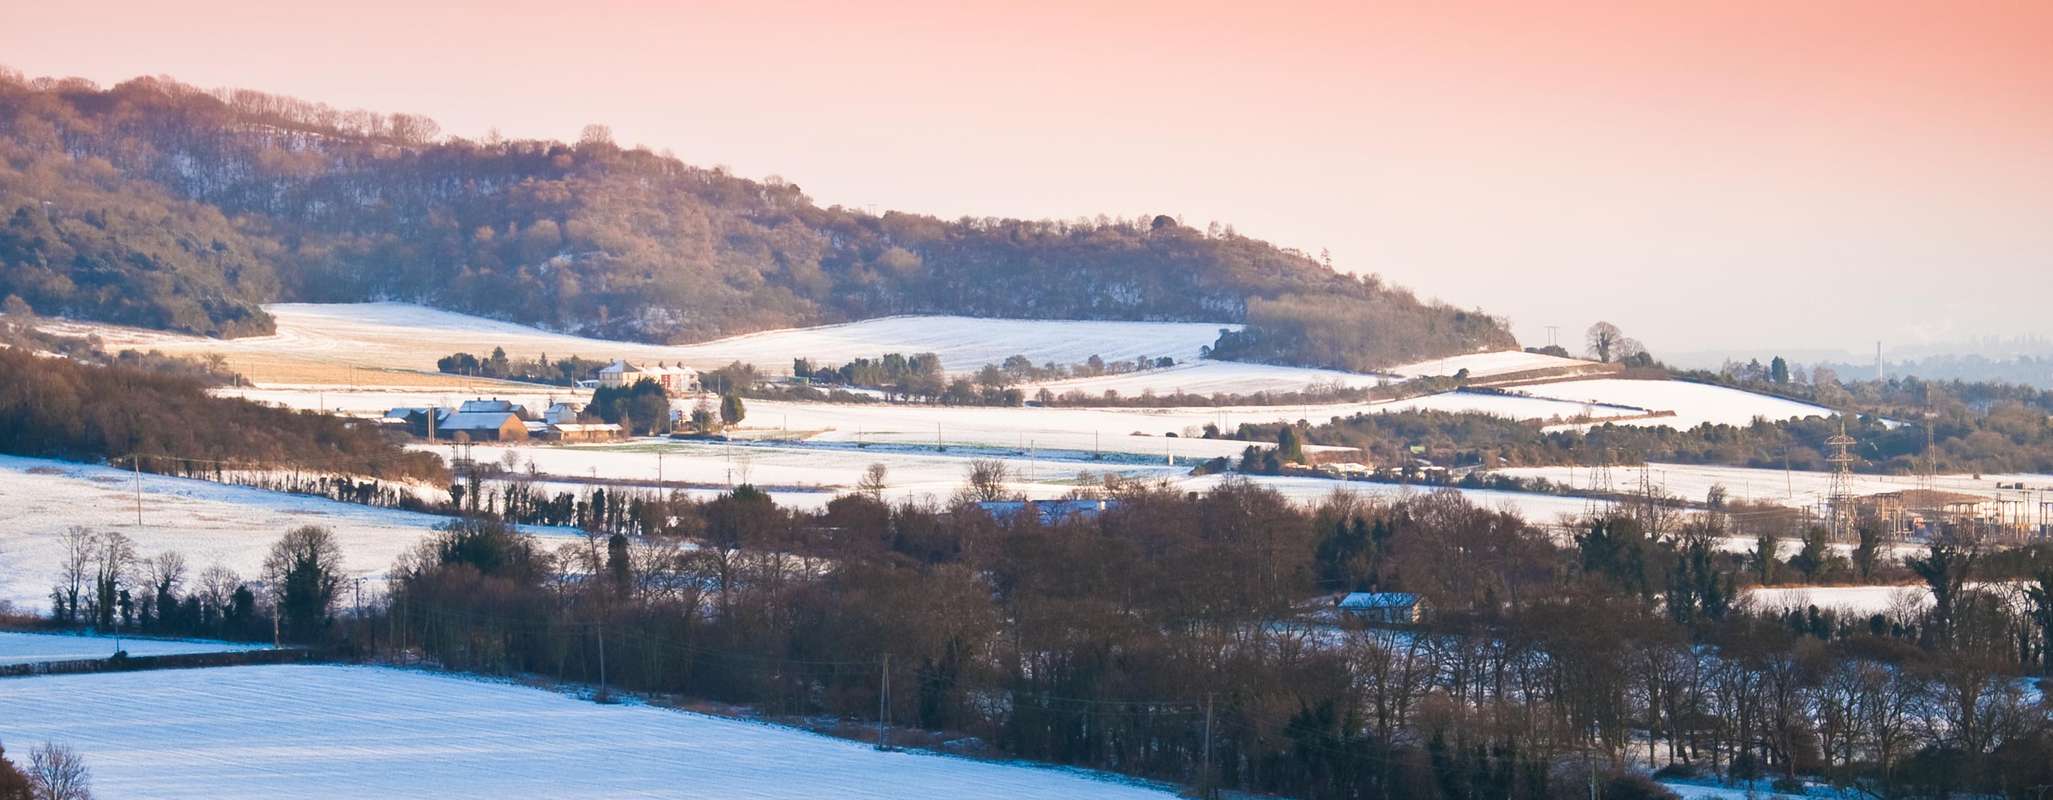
{"points": [[1540, 509], [1509, 406], [1867, 600], [406, 336], [336, 731], [964, 343], [35, 648], [1693, 403], [788, 469], [1210, 377], [1078, 430], [1859, 600], [1485, 365], [1794, 488], [1755, 790], [375, 401], [209, 523]]}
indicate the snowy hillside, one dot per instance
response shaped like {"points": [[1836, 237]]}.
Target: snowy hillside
{"points": [[1693, 404], [405, 336], [33, 648], [209, 523], [1210, 377], [1799, 488], [332, 731], [1498, 364]]}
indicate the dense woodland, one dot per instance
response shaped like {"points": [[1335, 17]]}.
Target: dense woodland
{"points": [[156, 203], [1110, 642], [162, 422]]}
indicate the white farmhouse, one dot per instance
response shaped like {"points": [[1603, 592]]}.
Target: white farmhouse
{"points": [[675, 380]]}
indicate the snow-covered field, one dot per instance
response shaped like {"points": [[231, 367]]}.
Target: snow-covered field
{"points": [[1867, 600], [406, 336], [927, 476], [35, 648], [1693, 403], [1795, 488], [1542, 509], [1210, 377], [335, 731], [325, 355], [1082, 430], [829, 469], [1493, 364], [1510, 406], [371, 401], [209, 523], [1861, 600]]}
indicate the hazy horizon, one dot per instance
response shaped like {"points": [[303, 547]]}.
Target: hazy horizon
{"points": [[1710, 180]]}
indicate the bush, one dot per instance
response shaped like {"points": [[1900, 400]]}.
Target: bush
{"points": [[1632, 786]]}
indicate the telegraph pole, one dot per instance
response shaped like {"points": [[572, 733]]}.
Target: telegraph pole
{"points": [[1205, 778], [136, 463], [884, 705]]}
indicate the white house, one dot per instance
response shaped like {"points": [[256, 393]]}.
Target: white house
{"points": [[675, 380], [562, 413]]}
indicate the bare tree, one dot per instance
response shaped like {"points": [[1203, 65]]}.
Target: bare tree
{"points": [[217, 588], [986, 480], [74, 572], [1602, 341], [113, 555], [872, 482], [56, 772]]}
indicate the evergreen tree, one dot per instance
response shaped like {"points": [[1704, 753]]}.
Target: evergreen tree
{"points": [[1290, 447], [304, 570]]}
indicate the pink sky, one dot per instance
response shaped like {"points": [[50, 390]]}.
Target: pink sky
{"points": [[1728, 175]]}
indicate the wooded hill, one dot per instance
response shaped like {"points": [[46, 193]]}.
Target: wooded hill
{"points": [[159, 204]]}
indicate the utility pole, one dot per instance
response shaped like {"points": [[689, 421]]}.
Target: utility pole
{"points": [[884, 705], [1590, 760], [1205, 778], [136, 462]]}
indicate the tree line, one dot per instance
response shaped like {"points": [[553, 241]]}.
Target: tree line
{"points": [[1108, 641], [62, 408]]}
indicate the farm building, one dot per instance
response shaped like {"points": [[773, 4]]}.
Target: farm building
{"points": [[1394, 607], [483, 426], [561, 413], [475, 420], [675, 380], [582, 432]]}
